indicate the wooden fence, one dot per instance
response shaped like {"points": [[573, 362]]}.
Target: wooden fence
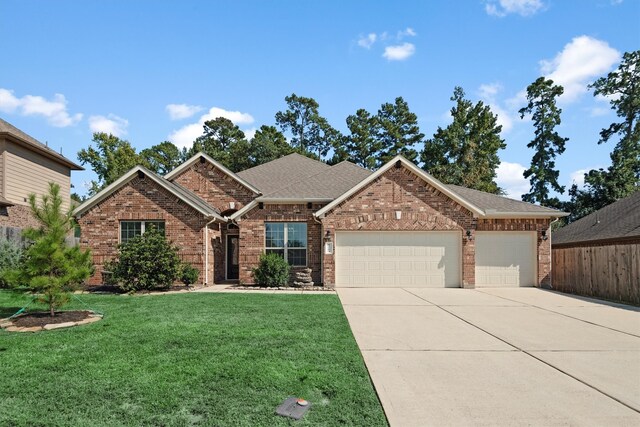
{"points": [[610, 271]]}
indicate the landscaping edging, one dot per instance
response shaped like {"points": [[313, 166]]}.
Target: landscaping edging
{"points": [[8, 325]]}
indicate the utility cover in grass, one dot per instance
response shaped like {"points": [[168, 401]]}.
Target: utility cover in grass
{"points": [[291, 409]]}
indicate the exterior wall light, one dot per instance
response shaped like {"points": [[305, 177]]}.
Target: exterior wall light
{"points": [[544, 235], [469, 235]]}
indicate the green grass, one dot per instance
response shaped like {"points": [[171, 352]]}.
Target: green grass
{"points": [[187, 359]]}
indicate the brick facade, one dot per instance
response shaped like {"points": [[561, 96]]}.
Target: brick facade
{"points": [[252, 237], [143, 199], [222, 192], [423, 208], [17, 216]]}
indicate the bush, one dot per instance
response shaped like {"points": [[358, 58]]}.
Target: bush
{"points": [[273, 270], [189, 274], [146, 262], [10, 254]]}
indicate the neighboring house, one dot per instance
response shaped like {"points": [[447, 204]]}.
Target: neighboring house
{"points": [[27, 166], [599, 255], [397, 226]]}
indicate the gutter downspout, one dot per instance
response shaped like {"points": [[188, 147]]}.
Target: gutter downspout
{"points": [[206, 252], [551, 254], [321, 248]]}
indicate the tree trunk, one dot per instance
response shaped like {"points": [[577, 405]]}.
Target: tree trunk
{"points": [[51, 309]]}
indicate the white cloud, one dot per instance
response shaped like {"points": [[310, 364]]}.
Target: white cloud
{"points": [[399, 52], [578, 64], [250, 133], [185, 136], [54, 110], [488, 93], [599, 111], [510, 178], [116, 126], [408, 32], [182, 111], [367, 41], [503, 8]]}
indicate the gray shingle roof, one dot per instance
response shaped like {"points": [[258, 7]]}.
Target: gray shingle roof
{"points": [[328, 184], [34, 144], [619, 220], [279, 173], [492, 203]]}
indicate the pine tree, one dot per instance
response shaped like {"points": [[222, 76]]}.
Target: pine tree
{"points": [[466, 152], [547, 144], [51, 269], [605, 186], [397, 131], [361, 146]]}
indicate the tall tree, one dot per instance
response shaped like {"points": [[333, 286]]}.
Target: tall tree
{"points": [[622, 88], [222, 140], [162, 158], [547, 144], [111, 158], [466, 152], [362, 145], [397, 131], [268, 144], [310, 132]]}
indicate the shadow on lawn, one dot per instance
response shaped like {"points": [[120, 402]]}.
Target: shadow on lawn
{"points": [[8, 311]]}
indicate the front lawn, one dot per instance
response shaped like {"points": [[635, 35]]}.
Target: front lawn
{"points": [[187, 359]]}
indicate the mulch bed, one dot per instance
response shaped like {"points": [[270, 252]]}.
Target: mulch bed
{"points": [[42, 318]]}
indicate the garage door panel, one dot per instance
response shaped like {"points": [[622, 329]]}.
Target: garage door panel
{"points": [[505, 259], [395, 259]]}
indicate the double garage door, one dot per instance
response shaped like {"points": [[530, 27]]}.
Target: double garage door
{"points": [[431, 259]]}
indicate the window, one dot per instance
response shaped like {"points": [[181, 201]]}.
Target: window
{"points": [[289, 240], [131, 229]]}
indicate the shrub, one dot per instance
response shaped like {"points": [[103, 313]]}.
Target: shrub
{"points": [[189, 274], [273, 270], [49, 268], [146, 262], [10, 254]]}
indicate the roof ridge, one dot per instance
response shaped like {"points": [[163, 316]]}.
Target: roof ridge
{"points": [[282, 157]]}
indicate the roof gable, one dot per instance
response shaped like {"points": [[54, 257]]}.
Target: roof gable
{"points": [[33, 144], [402, 162], [186, 165], [182, 193], [619, 220]]}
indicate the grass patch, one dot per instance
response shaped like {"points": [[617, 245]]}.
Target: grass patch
{"points": [[187, 359]]}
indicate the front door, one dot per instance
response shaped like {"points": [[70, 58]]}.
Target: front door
{"points": [[233, 269]]}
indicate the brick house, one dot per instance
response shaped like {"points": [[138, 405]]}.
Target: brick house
{"points": [[27, 166], [397, 226]]}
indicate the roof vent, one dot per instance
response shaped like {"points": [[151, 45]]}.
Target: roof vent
{"points": [[202, 159], [140, 174], [398, 164]]}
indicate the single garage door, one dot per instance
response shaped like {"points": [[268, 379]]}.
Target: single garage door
{"points": [[505, 259], [398, 259]]}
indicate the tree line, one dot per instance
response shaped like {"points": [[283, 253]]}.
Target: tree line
{"points": [[466, 152]]}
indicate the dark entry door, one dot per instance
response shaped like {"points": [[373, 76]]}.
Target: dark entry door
{"points": [[233, 269]]}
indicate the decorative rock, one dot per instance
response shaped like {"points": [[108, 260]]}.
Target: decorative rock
{"points": [[51, 326], [303, 278], [13, 329], [31, 329], [90, 319]]}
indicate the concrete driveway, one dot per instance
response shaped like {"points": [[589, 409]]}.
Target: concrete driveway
{"points": [[498, 356]]}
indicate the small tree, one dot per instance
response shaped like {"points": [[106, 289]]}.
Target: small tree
{"points": [[273, 270], [50, 268], [146, 262]]}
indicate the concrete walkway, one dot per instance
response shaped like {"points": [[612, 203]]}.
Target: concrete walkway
{"points": [[498, 356]]}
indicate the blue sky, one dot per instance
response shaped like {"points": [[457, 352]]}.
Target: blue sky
{"points": [[149, 71]]}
